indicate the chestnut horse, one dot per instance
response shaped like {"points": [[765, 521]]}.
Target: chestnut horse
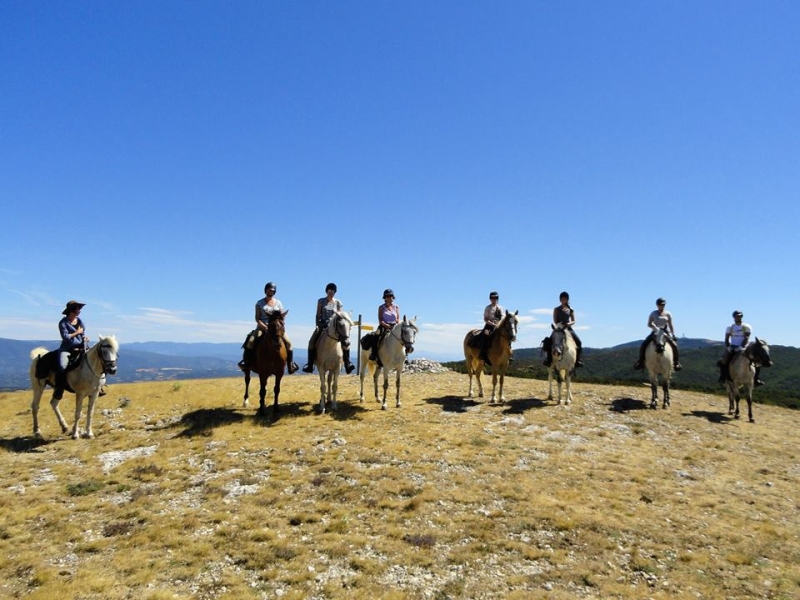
{"points": [[499, 353], [269, 359]]}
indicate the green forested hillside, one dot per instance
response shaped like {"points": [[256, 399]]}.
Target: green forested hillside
{"points": [[699, 373]]}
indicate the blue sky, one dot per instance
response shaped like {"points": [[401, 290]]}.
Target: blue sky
{"points": [[161, 161]]}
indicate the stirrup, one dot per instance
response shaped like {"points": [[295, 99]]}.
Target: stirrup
{"points": [[308, 368], [292, 367], [349, 368], [677, 367], [638, 365]]}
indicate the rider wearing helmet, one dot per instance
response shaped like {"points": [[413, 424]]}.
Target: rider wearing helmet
{"points": [[266, 307], [564, 315], [492, 315], [737, 336], [388, 317], [660, 318], [326, 308]]}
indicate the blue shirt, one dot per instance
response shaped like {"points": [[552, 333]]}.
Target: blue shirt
{"points": [[66, 329]]}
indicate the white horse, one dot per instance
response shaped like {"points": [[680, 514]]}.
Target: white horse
{"points": [[564, 352], [498, 353], [86, 380], [742, 369], [658, 360], [330, 357], [397, 343]]}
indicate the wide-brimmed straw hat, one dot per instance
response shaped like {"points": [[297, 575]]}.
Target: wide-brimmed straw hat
{"points": [[71, 306]]}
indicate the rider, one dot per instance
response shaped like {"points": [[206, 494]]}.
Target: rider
{"points": [[326, 308], [492, 315], [265, 308], [73, 339], [388, 317], [660, 318], [737, 336], [564, 315]]}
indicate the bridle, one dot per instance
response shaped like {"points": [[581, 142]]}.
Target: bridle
{"points": [[408, 335], [342, 333], [108, 360]]}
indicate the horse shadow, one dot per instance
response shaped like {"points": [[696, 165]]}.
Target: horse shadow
{"points": [[345, 411], [519, 406], [711, 416], [628, 404], [19, 445], [454, 404], [203, 421]]}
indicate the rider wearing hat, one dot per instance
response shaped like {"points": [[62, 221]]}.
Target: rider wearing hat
{"points": [[326, 308], [266, 307], [492, 315], [564, 315], [660, 318], [73, 339], [737, 336]]}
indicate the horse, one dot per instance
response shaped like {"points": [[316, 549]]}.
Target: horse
{"points": [[564, 352], [397, 343], [499, 354], [658, 360], [742, 369], [85, 380], [330, 358], [269, 359]]}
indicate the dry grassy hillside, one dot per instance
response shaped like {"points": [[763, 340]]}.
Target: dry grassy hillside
{"points": [[184, 494]]}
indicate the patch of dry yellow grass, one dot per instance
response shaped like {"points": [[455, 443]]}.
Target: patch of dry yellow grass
{"points": [[184, 494]]}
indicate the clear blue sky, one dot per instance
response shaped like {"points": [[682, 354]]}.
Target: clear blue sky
{"points": [[161, 161]]}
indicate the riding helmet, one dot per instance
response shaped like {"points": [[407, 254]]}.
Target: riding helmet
{"points": [[388, 292], [737, 313], [494, 295], [270, 286], [331, 286], [563, 295], [660, 301]]}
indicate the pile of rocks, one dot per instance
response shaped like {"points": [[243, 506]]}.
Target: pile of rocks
{"points": [[424, 365]]}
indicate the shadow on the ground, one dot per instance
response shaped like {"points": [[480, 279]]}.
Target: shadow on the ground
{"points": [[628, 404], [711, 416], [454, 404], [24, 444], [521, 405]]}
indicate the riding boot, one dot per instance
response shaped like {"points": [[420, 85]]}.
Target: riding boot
{"points": [[247, 358], [578, 353], [348, 366], [61, 383], [548, 359], [757, 381], [639, 365], [290, 364], [723, 372], [484, 353], [312, 356]]}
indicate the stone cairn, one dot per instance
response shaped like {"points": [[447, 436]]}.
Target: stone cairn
{"points": [[423, 365]]}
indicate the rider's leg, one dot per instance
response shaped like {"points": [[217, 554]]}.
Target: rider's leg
{"points": [[722, 363], [578, 348], [312, 351], [247, 351], [676, 361], [61, 375], [548, 350], [348, 366], [757, 381], [291, 366], [640, 363]]}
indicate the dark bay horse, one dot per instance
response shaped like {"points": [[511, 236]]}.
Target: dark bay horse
{"points": [[269, 359]]}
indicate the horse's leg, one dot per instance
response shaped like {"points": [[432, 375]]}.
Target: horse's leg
{"points": [[38, 388], [502, 381], [549, 384], [385, 386], [569, 388], [653, 391], [665, 388], [262, 393], [78, 407], [88, 433], [321, 372], [334, 387], [375, 376], [277, 391], [560, 383], [397, 383], [750, 404], [494, 386], [469, 373], [246, 388]]}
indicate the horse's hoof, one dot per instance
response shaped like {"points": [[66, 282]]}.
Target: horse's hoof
{"points": [[383, 407]]}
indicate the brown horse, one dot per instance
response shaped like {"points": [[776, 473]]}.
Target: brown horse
{"points": [[499, 353], [269, 359]]}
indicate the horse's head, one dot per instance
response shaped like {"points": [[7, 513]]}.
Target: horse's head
{"points": [[408, 333], [758, 352], [508, 325], [276, 327], [340, 325], [107, 350], [660, 338], [557, 338]]}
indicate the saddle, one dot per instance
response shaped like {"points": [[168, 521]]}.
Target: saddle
{"points": [[474, 340], [48, 364]]}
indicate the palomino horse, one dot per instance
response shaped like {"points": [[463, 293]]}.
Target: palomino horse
{"points": [[269, 359], [330, 358], [499, 353], [86, 380], [658, 360], [564, 353], [742, 368], [397, 343]]}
